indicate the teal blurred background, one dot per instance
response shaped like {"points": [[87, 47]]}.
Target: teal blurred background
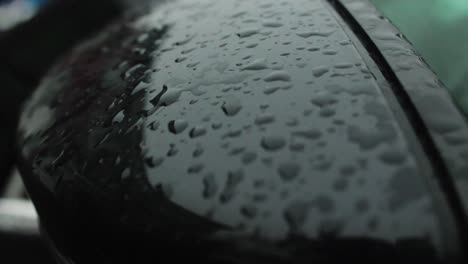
{"points": [[439, 31]]}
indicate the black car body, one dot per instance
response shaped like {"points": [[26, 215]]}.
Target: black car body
{"points": [[247, 132]]}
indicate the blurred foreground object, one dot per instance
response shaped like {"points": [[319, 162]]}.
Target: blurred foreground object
{"points": [[28, 49], [17, 11], [31, 39], [19, 226]]}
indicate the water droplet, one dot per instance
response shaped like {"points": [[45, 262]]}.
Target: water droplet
{"points": [[133, 69], [365, 70], [309, 34], [249, 211], [142, 37], [278, 76], [273, 142], [231, 106], [154, 162], [288, 171], [264, 119], [268, 161], [197, 152], [216, 125], [310, 134], [239, 14], [291, 122], [126, 173], [248, 32], [165, 97], [405, 187], [233, 180], [181, 59], [373, 223], [345, 43], [324, 99], [167, 189], [264, 106], [441, 123], [248, 157], [172, 150], [192, 65], [324, 204], [319, 71], [296, 215], [272, 24], [259, 64], [340, 184], [186, 51], [385, 132], [362, 206], [313, 49], [210, 187], [456, 139], [177, 126], [265, 6], [140, 86], [327, 112], [184, 41], [153, 125], [197, 131], [259, 197], [233, 133], [393, 157], [329, 52], [343, 65], [196, 168], [347, 170], [271, 90], [378, 110], [297, 146], [301, 65], [119, 117], [170, 97]]}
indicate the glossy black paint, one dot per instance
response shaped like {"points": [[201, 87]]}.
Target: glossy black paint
{"points": [[231, 132]]}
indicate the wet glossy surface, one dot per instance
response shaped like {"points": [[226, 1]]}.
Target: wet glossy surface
{"points": [[253, 124], [446, 124]]}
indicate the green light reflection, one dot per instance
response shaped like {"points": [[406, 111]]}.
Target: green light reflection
{"points": [[439, 31]]}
